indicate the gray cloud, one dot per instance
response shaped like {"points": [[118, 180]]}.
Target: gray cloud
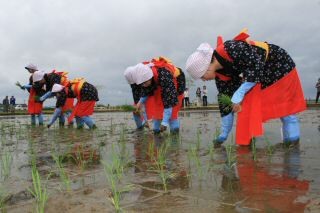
{"points": [[99, 39]]}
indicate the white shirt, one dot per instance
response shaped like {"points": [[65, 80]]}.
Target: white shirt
{"points": [[186, 94], [204, 92]]}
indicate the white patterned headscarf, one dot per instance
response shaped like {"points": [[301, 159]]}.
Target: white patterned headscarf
{"points": [[142, 73], [37, 76], [199, 61], [31, 67], [57, 88], [129, 74]]}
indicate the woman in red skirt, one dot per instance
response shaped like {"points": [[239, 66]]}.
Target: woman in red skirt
{"points": [[267, 81]]}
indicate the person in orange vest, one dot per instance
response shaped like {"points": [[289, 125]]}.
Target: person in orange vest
{"points": [[34, 106], [87, 96], [269, 86], [163, 84], [48, 80]]}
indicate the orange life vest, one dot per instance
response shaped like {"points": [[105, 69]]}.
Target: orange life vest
{"points": [[76, 86], [64, 77]]}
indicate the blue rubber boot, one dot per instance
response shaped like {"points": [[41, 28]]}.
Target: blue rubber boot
{"points": [[80, 122], [33, 119], [89, 122], [156, 126], [40, 119], [226, 127], [174, 126], [290, 130]]}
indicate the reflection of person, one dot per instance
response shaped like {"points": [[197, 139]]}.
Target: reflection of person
{"points": [[198, 96], [47, 80], [270, 87], [205, 96], [318, 90], [34, 106], [141, 119], [186, 98], [163, 84], [266, 187], [147, 152]]}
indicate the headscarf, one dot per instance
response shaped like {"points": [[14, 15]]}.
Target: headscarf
{"points": [[142, 73], [57, 88], [199, 61], [31, 67], [37, 76]]}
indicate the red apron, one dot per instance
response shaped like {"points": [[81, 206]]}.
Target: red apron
{"points": [[154, 105], [33, 106], [259, 106], [283, 98]]}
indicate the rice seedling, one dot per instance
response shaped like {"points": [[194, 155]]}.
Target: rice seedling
{"points": [[6, 161], [196, 159], [211, 150], [114, 173], [62, 173], [254, 149], [198, 139], [231, 155], [150, 150], [38, 191], [270, 148], [225, 101], [3, 198]]}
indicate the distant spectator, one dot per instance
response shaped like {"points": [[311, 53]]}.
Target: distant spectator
{"points": [[198, 95], [318, 90], [186, 98], [5, 103], [12, 103], [204, 97]]}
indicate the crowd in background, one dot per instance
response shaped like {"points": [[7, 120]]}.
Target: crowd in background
{"points": [[201, 97]]}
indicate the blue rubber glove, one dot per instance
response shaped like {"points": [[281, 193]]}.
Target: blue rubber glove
{"points": [[226, 127], [45, 96], [27, 86], [167, 113], [143, 99], [241, 91], [56, 114]]}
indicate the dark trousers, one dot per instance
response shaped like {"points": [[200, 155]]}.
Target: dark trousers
{"points": [[204, 100], [317, 98], [186, 101]]}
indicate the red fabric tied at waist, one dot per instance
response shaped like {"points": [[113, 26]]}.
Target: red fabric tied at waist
{"points": [[68, 105], [154, 107], [33, 106], [283, 98]]}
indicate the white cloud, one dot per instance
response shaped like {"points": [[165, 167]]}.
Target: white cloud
{"points": [[98, 39]]}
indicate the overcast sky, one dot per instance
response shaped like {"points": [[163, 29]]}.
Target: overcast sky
{"points": [[97, 40]]}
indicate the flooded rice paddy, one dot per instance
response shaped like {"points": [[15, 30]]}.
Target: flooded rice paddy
{"points": [[116, 168]]}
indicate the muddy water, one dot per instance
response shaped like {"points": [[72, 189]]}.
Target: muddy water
{"points": [[270, 178]]}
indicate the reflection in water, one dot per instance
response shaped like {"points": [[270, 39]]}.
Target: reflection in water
{"points": [[147, 151], [263, 188]]}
